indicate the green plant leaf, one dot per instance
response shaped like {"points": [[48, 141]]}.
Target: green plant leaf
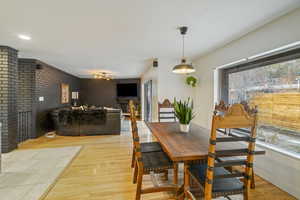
{"points": [[184, 110], [191, 80]]}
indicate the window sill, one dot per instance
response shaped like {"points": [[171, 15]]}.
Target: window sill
{"points": [[281, 151]]}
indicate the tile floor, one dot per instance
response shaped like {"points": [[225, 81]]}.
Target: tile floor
{"points": [[28, 174]]}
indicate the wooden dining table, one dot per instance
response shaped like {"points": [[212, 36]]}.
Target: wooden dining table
{"points": [[185, 147]]}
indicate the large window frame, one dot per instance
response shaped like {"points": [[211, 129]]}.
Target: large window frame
{"points": [[277, 58], [262, 62]]}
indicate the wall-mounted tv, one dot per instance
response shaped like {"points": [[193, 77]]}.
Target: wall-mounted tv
{"points": [[127, 90]]}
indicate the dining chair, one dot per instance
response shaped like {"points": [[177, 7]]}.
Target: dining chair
{"points": [[149, 163], [211, 176], [166, 111], [145, 146], [222, 108]]}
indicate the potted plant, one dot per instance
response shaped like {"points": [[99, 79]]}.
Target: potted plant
{"points": [[184, 112], [191, 80]]}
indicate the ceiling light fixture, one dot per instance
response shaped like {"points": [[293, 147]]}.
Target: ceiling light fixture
{"points": [[103, 75], [183, 67], [24, 37]]}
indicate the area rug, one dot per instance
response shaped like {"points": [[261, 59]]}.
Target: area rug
{"points": [[29, 174]]}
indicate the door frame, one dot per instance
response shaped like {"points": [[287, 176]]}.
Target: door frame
{"points": [[148, 101]]}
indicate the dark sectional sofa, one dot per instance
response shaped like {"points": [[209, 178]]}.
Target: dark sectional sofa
{"points": [[71, 122]]}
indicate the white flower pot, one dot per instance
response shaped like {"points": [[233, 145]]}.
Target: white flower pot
{"points": [[185, 128]]}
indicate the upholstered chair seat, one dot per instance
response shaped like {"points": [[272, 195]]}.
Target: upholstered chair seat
{"points": [[228, 186], [150, 147]]}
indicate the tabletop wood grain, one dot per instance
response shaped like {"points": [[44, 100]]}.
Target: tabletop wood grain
{"points": [[188, 146]]}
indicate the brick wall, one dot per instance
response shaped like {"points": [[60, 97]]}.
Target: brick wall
{"points": [[26, 81], [8, 97], [43, 81], [21, 85], [26, 97]]}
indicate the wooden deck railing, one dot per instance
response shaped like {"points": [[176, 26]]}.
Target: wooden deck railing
{"points": [[279, 109]]}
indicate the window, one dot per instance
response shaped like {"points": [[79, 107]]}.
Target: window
{"points": [[273, 85]]}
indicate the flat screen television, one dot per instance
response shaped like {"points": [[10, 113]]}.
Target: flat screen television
{"points": [[127, 90]]}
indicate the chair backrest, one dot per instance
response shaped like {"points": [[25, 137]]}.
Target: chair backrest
{"points": [[135, 135], [166, 111], [221, 108], [234, 116], [133, 119]]}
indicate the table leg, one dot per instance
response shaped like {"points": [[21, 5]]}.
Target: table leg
{"points": [[186, 177], [175, 181], [180, 193], [183, 188]]}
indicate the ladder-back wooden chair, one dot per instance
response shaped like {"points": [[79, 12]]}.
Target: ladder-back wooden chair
{"points": [[150, 163], [211, 176], [166, 111], [222, 108], [145, 147]]}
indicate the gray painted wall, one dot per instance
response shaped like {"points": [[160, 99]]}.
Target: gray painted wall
{"points": [[103, 92], [48, 85], [98, 92]]}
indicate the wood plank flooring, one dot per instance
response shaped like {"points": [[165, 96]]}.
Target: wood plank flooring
{"points": [[101, 171]]}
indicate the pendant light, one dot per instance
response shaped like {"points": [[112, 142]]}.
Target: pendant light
{"points": [[183, 67]]}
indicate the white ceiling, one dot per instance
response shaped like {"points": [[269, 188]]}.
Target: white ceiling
{"points": [[120, 36]]}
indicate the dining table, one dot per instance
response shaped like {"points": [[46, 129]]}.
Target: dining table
{"points": [[186, 147]]}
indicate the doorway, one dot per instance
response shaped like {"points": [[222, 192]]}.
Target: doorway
{"points": [[148, 101]]}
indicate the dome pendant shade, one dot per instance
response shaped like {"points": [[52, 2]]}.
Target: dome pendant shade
{"points": [[183, 68]]}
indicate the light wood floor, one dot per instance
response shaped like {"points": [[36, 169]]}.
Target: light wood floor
{"points": [[102, 170]]}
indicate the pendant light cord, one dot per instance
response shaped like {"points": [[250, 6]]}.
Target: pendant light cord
{"points": [[183, 46]]}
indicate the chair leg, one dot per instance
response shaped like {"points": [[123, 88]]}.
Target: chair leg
{"points": [[133, 159], [252, 180], [175, 181], [139, 185], [246, 194], [180, 196], [135, 173], [190, 196], [166, 175]]}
